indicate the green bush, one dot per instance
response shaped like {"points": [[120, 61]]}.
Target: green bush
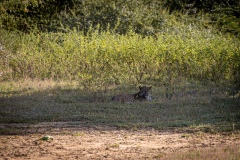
{"points": [[143, 17], [107, 58], [111, 42]]}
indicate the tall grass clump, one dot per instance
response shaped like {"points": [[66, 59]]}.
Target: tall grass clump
{"points": [[103, 58]]}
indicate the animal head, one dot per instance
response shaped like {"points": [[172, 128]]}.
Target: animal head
{"points": [[143, 93]]}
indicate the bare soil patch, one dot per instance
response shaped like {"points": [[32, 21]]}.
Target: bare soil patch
{"points": [[72, 140]]}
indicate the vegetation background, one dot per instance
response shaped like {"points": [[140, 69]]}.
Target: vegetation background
{"points": [[180, 47], [112, 42], [62, 61]]}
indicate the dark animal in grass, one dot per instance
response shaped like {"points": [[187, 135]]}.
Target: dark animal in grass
{"points": [[142, 95]]}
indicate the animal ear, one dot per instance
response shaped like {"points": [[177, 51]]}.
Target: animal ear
{"points": [[135, 96], [140, 88], [150, 87]]}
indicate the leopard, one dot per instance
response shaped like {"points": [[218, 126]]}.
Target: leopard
{"points": [[142, 95]]}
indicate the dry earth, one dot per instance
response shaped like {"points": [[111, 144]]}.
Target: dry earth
{"points": [[74, 141]]}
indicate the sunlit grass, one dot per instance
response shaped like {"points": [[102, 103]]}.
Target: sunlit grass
{"points": [[221, 153], [106, 58]]}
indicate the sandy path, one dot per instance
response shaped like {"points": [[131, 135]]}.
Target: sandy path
{"points": [[106, 143]]}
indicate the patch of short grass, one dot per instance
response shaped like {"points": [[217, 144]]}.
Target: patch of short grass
{"points": [[50, 101], [221, 153], [115, 145]]}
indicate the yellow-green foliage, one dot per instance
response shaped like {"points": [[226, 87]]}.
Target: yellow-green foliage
{"points": [[106, 57]]}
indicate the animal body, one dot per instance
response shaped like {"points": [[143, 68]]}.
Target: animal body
{"points": [[143, 94]]}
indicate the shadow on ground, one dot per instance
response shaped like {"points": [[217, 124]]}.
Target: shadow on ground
{"points": [[37, 111]]}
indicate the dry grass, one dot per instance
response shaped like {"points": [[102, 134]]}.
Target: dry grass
{"points": [[73, 141], [231, 152]]}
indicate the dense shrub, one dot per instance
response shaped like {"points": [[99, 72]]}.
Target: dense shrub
{"points": [[115, 41], [144, 17], [113, 58]]}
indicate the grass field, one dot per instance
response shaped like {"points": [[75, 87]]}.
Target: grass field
{"points": [[59, 71], [199, 121], [205, 107]]}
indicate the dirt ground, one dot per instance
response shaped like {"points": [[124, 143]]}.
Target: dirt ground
{"points": [[74, 141]]}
